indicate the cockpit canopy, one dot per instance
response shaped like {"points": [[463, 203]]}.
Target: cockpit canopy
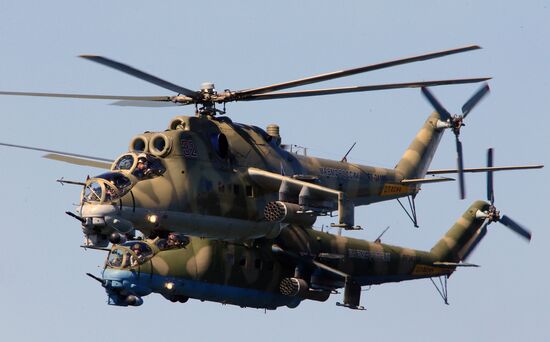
{"points": [[129, 254], [135, 253], [173, 241], [107, 187], [142, 166], [126, 171]]}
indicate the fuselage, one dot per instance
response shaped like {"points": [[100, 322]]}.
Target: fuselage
{"points": [[251, 275], [207, 188], [203, 177]]}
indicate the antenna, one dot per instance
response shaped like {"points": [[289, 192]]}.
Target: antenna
{"points": [[379, 238], [345, 158]]}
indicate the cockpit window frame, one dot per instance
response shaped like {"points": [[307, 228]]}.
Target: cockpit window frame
{"points": [[100, 197], [109, 192], [119, 159], [155, 168], [127, 254]]}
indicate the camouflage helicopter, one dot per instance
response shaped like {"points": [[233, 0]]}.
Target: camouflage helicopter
{"points": [[299, 264], [208, 176]]}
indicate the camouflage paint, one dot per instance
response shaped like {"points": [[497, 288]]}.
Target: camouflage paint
{"points": [[213, 183], [250, 274]]}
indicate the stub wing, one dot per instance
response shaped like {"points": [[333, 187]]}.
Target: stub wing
{"points": [[311, 198], [272, 181]]}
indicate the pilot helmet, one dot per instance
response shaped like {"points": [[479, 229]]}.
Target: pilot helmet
{"points": [[142, 157]]}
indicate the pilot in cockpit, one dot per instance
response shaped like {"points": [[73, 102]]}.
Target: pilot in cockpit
{"points": [[138, 257], [176, 241], [142, 168]]}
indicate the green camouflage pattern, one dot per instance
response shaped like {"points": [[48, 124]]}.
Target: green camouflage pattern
{"points": [[209, 188], [324, 262]]}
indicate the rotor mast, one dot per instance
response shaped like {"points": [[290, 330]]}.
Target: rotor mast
{"points": [[209, 97]]}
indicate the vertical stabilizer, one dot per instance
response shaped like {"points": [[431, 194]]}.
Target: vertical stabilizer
{"points": [[419, 154], [463, 236]]}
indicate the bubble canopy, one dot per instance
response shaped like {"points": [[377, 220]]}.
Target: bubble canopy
{"points": [[107, 187], [129, 254]]}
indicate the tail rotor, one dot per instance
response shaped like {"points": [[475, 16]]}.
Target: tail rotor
{"points": [[492, 214], [455, 123]]}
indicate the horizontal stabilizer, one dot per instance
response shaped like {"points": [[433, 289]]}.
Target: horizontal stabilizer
{"points": [[454, 264], [486, 169], [413, 181]]}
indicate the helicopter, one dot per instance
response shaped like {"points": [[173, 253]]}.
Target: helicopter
{"points": [[210, 177], [299, 264]]}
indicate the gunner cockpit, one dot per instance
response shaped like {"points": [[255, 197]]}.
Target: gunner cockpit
{"points": [[107, 187]]}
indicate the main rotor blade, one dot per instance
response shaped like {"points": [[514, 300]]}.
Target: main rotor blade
{"points": [[78, 161], [58, 152], [490, 189], [141, 75], [460, 166], [341, 90], [443, 113], [516, 227], [145, 103], [349, 72], [474, 100], [91, 97]]}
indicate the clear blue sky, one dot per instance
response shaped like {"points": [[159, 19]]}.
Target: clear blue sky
{"points": [[44, 293]]}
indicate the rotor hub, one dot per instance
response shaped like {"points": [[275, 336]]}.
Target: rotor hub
{"points": [[457, 121], [208, 88], [493, 215]]}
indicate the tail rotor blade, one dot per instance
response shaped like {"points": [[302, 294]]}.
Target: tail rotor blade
{"points": [[474, 100], [490, 191], [480, 234], [460, 167], [445, 115], [516, 227]]}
